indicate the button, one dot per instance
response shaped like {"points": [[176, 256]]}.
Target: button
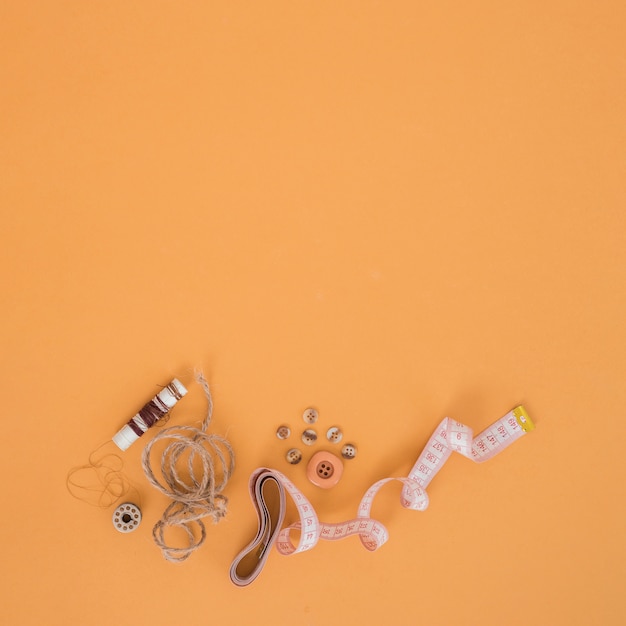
{"points": [[309, 437], [324, 469], [334, 435], [294, 456], [126, 517], [283, 432], [310, 416], [348, 451]]}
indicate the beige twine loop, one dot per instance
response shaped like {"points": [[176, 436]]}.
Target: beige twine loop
{"points": [[194, 497]]}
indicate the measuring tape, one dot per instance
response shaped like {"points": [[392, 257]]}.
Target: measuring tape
{"points": [[268, 488]]}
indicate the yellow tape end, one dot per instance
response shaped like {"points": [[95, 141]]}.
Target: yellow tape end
{"points": [[522, 419]]}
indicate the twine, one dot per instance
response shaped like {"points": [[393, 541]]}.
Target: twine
{"points": [[193, 497]]}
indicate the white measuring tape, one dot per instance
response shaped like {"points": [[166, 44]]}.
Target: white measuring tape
{"points": [[268, 487]]}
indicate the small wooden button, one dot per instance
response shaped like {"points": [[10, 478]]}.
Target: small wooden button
{"points": [[334, 435], [324, 469], [309, 437], [283, 432], [294, 456], [348, 451], [310, 416]]}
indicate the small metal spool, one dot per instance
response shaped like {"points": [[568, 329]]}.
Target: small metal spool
{"points": [[127, 517]]}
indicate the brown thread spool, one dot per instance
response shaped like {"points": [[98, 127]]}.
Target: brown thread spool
{"points": [[101, 482], [150, 414]]}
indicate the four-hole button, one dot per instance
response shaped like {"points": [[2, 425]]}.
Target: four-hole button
{"points": [[324, 469]]}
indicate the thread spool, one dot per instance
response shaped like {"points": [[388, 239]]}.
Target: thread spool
{"points": [[150, 414], [127, 517]]}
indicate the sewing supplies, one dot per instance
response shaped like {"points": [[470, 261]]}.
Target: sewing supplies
{"points": [[100, 482], [348, 451], [268, 497], [310, 415], [195, 467], [283, 432], [324, 469], [126, 517], [268, 488], [293, 456], [150, 414], [334, 435], [309, 437]]}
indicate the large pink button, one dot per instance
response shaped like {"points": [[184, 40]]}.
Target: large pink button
{"points": [[324, 469]]}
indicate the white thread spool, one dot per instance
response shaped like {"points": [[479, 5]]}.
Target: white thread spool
{"points": [[162, 403]]}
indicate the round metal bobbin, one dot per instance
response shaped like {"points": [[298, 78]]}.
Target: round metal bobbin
{"points": [[127, 517]]}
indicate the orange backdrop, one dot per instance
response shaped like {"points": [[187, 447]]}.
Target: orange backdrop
{"points": [[393, 211]]}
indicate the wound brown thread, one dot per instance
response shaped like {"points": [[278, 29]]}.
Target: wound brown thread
{"points": [[101, 482], [149, 414]]}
